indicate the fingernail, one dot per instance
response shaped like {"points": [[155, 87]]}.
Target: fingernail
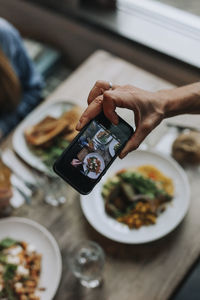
{"points": [[78, 126]]}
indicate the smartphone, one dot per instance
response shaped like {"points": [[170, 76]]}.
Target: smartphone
{"points": [[91, 153]]}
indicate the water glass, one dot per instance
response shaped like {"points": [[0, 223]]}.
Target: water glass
{"points": [[54, 190], [86, 262]]}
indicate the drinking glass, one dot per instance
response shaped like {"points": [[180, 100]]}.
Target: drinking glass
{"points": [[54, 190], [86, 262]]}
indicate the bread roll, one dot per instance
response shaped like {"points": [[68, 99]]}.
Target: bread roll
{"points": [[186, 148]]}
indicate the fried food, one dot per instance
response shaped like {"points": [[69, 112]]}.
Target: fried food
{"points": [[49, 128], [137, 196], [72, 117], [50, 137], [45, 131]]}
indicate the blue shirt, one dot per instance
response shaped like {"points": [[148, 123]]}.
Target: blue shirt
{"points": [[31, 82]]}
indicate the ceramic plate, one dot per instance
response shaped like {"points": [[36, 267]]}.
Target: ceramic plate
{"points": [[19, 143], [93, 175], [93, 204], [108, 139], [26, 230], [112, 147]]}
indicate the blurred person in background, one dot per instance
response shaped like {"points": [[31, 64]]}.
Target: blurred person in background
{"points": [[20, 84]]}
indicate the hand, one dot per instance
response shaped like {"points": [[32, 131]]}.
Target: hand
{"points": [[76, 162], [147, 106]]}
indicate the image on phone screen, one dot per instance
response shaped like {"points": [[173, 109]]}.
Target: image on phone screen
{"points": [[94, 150]]}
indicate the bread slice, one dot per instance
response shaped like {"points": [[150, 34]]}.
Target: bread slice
{"points": [[45, 131], [72, 116]]}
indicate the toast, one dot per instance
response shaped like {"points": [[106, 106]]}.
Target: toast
{"points": [[46, 130]]}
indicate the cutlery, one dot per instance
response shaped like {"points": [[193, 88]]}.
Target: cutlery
{"points": [[25, 196]]}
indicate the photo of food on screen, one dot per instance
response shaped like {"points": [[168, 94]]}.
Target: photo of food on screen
{"points": [[94, 150]]}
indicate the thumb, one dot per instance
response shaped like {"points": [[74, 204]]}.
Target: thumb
{"points": [[139, 135]]}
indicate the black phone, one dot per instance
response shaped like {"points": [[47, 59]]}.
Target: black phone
{"points": [[87, 158]]}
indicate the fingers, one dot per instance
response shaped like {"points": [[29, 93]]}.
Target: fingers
{"points": [[98, 89], [136, 139], [109, 106], [93, 109]]}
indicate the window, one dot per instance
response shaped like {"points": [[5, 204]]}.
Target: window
{"points": [[172, 30]]}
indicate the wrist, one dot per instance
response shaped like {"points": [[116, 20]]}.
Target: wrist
{"points": [[164, 99], [168, 100], [181, 100]]}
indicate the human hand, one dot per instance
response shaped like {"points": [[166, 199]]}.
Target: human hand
{"points": [[147, 107], [76, 162]]}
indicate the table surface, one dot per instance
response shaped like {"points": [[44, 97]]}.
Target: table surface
{"points": [[149, 271]]}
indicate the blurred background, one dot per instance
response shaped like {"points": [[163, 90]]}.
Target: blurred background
{"points": [[161, 36]]}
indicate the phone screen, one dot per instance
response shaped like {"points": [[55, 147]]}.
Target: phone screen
{"points": [[91, 153], [94, 150]]}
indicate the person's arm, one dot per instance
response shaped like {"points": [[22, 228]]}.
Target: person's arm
{"points": [[149, 108], [182, 100]]}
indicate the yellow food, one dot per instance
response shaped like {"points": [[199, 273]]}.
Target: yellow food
{"points": [[137, 196], [152, 172], [20, 268]]}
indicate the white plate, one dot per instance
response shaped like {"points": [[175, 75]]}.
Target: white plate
{"points": [[99, 141], [93, 175], [19, 143], [93, 204], [26, 230], [112, 146]]}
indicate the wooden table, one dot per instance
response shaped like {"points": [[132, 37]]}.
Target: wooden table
{"points": [[151, 271]]}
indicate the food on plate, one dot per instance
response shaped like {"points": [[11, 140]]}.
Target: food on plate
{"points": [[93, 164], [45, 131], [103, 136], [5, 185], [20, 268], [48, 138], [186, 148], [137, 196], [116, 147]]}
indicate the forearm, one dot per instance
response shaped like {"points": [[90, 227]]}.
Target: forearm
{"points": [[182, 100]]}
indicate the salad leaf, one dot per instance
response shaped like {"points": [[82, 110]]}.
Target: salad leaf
{"points": [[9, 272], [142, 185], [50, 154], [7, 242], [8, 292], [2, 258]]}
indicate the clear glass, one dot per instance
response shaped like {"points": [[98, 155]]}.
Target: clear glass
{"points": [[54, 190], [86, 262]]}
